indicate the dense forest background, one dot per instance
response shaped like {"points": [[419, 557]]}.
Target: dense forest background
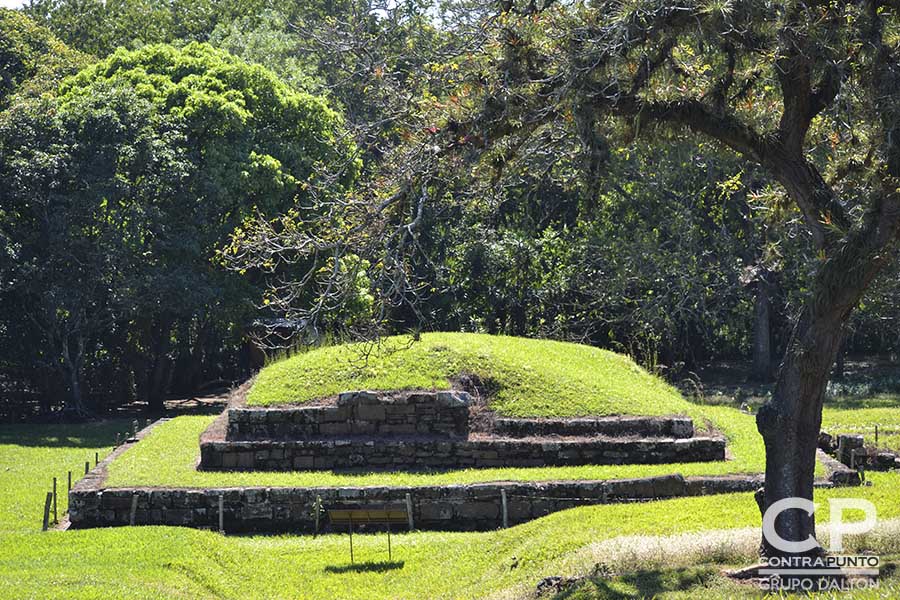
{"points": [[169, 172]]}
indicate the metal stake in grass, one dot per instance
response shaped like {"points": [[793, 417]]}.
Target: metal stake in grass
{"points": [[55, 516], [87, 467], [351, 538], [317, 509], [96, 458], [47, 511], [409, 514], [70, 482]]}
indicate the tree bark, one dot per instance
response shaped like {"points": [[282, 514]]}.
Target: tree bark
{"points": [[762, 333], [789, 424], [790, 421], [158, 382], [70, 368]]}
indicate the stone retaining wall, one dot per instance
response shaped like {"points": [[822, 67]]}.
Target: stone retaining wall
{"points": [[452, 507], [435, 414], [424, 454], [674, 427]]}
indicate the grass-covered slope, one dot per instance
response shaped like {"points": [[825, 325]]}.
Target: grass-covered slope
{"points": [[539, 378], [176, 440]]}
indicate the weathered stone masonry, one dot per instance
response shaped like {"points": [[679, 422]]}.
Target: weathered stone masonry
{"points": [[433, 414], [452, 507], [675, 427], [430, 430], [418, 455]]}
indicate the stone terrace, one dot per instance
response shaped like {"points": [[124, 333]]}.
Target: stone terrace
{"points": [[366, 431]]}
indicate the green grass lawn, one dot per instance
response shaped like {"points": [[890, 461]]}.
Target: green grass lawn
{"points": [[529, 378], [32, 455], [177, 441], [863, 421], [160, 562]]}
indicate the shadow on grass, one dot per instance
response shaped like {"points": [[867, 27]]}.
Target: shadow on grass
{"points": [[81, 435], [640, 585], [366, 567]]}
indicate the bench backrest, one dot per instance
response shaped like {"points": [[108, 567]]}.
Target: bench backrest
{"points": [[362, 515]]}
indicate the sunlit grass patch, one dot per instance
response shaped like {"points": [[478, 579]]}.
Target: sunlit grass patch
{"points": [[863, 421], [169, 455], [538, 378], [32, 455]]}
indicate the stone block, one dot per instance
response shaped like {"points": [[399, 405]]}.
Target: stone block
{"points": [[479, 510]]}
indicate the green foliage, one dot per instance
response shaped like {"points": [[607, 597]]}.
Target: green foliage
{"points": [[29, 51], [653, 259], [143, 164], [99, 27], [266, 40], [257, 139], [81, 179]]}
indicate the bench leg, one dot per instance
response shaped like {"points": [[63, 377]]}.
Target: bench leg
{"points": [[351, 541]]}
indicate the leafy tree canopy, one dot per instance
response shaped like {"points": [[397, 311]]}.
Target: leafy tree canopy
{"points": [[244, 117], [28, 50], [135, 172]]}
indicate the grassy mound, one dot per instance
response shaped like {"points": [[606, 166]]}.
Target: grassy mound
{"points": [[525, 377]]}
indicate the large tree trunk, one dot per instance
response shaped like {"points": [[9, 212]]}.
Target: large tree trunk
{"points": [[158, 380], [790, 423], [762, 333], [70, 369]]}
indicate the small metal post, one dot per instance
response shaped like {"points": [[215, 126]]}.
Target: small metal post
{"points": [[87, 467], [351, 538], [409, 514], [55, 516], [505, 511], [96, 458], [47, 511], [221, 513], [70, 482], [317, 509], [134, 503]]}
